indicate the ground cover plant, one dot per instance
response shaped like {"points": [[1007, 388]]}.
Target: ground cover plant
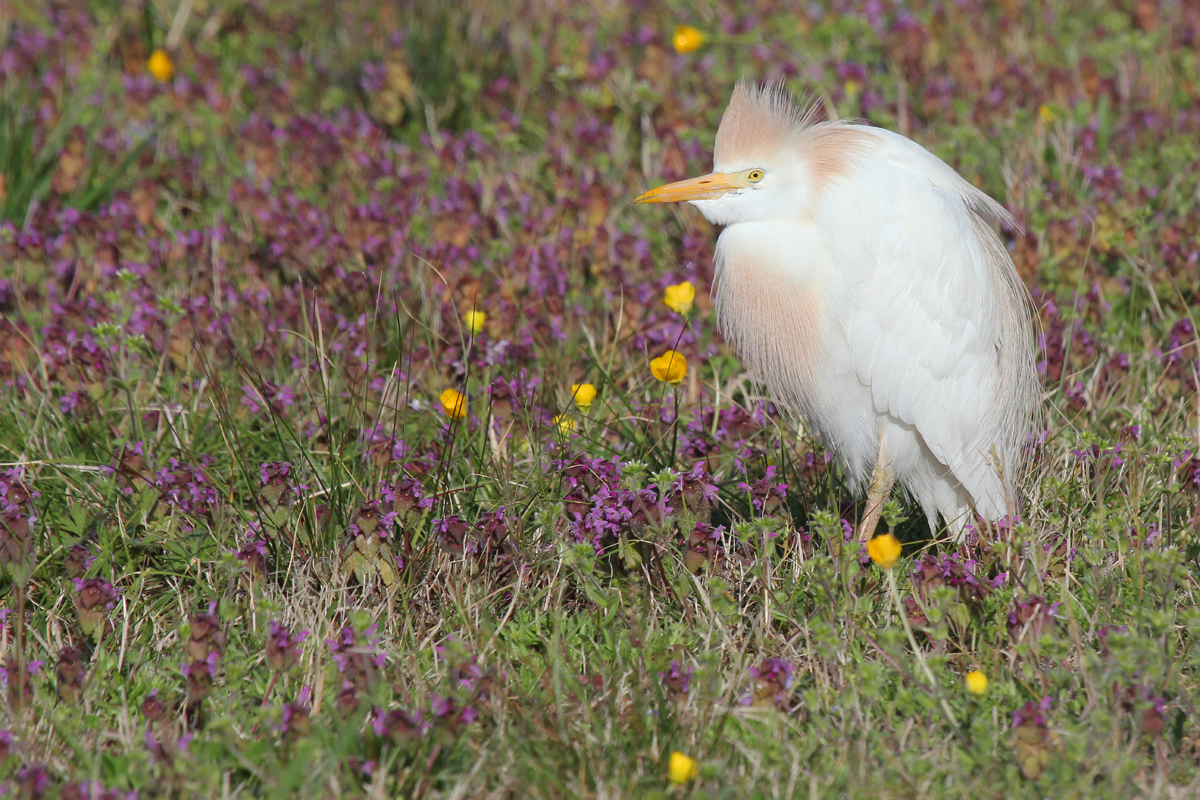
{"points": [[345, 454]]}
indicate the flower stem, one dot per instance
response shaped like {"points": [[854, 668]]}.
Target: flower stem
{"points": [[674, 427], [20, 631], [270, 686], [267, 696]]}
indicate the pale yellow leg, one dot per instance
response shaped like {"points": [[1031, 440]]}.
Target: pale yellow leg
{"points": [[882, 480]]}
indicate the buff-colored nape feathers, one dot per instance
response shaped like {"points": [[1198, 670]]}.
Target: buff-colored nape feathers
{"points": [[759, 121]]}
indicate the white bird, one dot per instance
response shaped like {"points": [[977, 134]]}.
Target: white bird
{"points": [[861, 281]]}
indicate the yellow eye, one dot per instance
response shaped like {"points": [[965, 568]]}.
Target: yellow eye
{"points": [[755, 175]]}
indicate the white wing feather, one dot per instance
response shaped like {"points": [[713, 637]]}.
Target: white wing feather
{"points": [[927, 324]]}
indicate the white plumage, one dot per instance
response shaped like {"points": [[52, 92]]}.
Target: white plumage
{"points": [[860, 280]]}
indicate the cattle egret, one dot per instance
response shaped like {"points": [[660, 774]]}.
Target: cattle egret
{"points": [[860, 280]]}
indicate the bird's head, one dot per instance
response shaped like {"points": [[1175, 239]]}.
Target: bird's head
{"points": [[760, 166]]}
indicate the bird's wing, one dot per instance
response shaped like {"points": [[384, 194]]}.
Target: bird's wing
{"points": [[924, 327]]}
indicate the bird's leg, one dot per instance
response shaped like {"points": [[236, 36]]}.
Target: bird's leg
{"points": [[882, 480]]}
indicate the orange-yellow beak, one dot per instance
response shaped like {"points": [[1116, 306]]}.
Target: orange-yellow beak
{"points": [[705, 187]]}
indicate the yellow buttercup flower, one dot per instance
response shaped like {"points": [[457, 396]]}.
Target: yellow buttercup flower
{"points": [[474, 321], [977, 683], [583, 394], [679, 297], [1046, 113], [454, 404], [564, 424], [160, 66], [687, 39], [852, 88], [670, 367], [680, 768], [884, 550]]}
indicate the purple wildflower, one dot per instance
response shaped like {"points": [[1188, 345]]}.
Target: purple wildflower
{"points": [[283, 647], [677, 680]]}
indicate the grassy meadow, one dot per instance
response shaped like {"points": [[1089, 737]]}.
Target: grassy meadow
{"points": [[336, 460]]}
